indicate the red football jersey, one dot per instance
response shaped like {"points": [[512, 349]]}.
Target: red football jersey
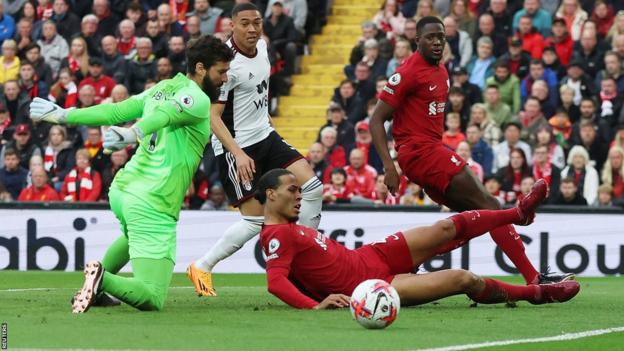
{"points": [[418, 93], [315, 264]]}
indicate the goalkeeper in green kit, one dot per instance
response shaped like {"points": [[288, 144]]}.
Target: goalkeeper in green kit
{"points": [[146, 195]]}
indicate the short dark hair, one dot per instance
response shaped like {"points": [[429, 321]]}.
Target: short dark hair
{"points": [[588, 98], [11, 152], [492, 86], [568, 180], [537, 62], [208, 50], [347, 81], [270, 180], [427, 20], [339, 170], [244, 7], [32, 46], [501, 63], [456, 91]]}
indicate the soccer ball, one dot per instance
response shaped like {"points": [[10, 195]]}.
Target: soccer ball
{"points": [[375, 304]]}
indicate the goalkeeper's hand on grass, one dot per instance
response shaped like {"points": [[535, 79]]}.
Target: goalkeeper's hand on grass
{"points": [[47, 111], [117, 138]]}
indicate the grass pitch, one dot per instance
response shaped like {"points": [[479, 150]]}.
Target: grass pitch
{"points": [[246, 317]]}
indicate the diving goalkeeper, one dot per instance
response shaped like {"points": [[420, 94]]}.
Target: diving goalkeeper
{"points": [[146, 195]]}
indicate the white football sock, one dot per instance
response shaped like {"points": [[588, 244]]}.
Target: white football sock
{"points": [[232, 240], [311, 203]]}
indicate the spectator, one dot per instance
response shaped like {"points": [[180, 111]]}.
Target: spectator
{"points": [[193, 29], [7, 25], [360, 176], [512, 141], [64, 92], [364, 142], [82, 183], [5, 122], [491, 132], [613, 69], [588, 51], [481, 152], [617, 28], [537, 71], [118, 161], [502, 17], [610, 104], [23, 144], [209, 16], [457, 104], [44, 9], [381, 195], [226, 28], [12, 175], [425, 8], [99, 160], [561, 41], [453, 135], [588, 115], [566, 103], [102, 84], [511, 175], [583, 174], [280, 29], [525, 187], [177, 56], [53, 46], [593, 143], [532, 40], [16, 103], [113, 63], [10, 62], [464, 18], [463, 150], [371, 58], [142, 68], [78, 59], [551, 62], [157, 37], [613, 172], [508, 85], [346, 132], [472, 92], [24, 35], [167, 22], [297, 9], [605, 196], [493, 187], [164, 69], [134, 12], [459, 41], [517, 58], [370, 31], [389, 19], [337, 190], [58, 157], [573, 15], [344, 95], [617, 44], [409, 33], [540, 18], [532, 119], [569, 195], [107, 21], [546, 137], [88, 32], [335, 154], [415, 196], [497, 110], [29, 83], [402, 51], [217, 200], [66, 21], [319, 163], [40, 190], [42, 69], [579, 81], [364, 86], [119, 94], [126, 42], [544, 168], [487, 29]]}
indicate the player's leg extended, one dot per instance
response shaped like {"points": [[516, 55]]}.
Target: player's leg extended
{"points": [[466, 193], [311, 193], [417, 289], [232, 240], [117, 254]]}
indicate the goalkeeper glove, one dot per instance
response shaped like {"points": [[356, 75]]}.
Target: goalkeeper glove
{"points": [[117, 138], [47, 111]]}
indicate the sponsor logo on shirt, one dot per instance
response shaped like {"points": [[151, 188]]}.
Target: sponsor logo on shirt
{"points": [[436, 108]]}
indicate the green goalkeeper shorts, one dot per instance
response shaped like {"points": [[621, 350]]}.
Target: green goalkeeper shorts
{"points": [[150, 233]]}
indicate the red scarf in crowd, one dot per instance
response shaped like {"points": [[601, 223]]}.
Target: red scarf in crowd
{"points": [[543, 172], [125, 47], [49, 159], [179, 10], [74, 66], [93, 149], [86, 182], [46, 13]]}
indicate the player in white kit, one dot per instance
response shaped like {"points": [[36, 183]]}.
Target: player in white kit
{"points": [[247, 146]]}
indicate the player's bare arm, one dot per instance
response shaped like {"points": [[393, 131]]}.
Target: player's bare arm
{"points": [[383, 112]]}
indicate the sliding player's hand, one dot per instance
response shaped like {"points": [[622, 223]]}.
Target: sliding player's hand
{"points": [[333, 301], [391, 180], [245, 168], [47, 111]]}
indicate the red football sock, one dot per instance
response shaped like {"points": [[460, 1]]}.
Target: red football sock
{"points": [[496, 291], [470, 224], [509, 241]]}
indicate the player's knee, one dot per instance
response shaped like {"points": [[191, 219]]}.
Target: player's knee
{"points": [[466, 280]]}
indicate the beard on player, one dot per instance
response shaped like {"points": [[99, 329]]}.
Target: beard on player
{"points": [[211, 89]]}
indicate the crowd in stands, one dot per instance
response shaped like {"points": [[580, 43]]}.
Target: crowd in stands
{"points": [[80, 53], [536, 91]]}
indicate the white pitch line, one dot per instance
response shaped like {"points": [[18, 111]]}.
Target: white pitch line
{"points": [[562, 337]]}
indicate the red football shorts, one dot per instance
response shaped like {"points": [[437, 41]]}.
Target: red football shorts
{"points": [[432, 167], [387, 258]]}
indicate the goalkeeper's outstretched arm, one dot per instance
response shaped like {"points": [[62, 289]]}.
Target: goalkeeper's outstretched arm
{"points": [[99, 115]]}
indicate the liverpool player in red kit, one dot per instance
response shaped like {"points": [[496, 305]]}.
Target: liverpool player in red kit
{"points": [[307, 270], [416, 96]]}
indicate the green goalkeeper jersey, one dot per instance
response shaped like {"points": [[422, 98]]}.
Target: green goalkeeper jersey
{"points": [[176, 126]]}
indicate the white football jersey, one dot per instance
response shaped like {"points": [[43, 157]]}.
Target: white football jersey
{"points": [[246, 97]]}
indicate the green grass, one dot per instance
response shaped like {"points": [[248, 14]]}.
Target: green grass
{"points": [[245, 317]]}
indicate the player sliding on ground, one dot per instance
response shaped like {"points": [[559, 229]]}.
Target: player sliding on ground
{"points": [[147, 194], [300, 257]]}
